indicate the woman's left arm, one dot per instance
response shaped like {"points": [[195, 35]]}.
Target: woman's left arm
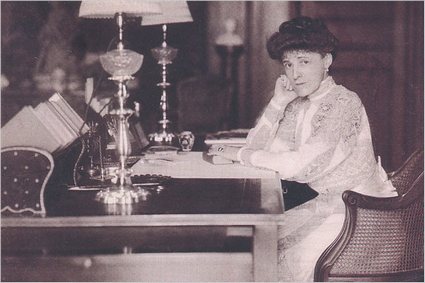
{"points": [[261, 133], [328, 145]]}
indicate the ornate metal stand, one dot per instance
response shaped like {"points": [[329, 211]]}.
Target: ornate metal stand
{"points": [[121, 64], [229, 70], [164, 139]]}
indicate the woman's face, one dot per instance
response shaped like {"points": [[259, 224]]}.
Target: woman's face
{"points": [[305, 70]]}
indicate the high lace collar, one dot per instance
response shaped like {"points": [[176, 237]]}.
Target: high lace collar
{"points": [[325, 86]]}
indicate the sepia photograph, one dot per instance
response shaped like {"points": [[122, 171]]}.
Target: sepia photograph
{"points": [[212, 141]]}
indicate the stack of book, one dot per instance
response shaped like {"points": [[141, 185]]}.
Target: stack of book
{"points": [[236, 137], [52, 125]]}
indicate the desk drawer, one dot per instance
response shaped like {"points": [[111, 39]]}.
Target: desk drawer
{"points": [[75, 241], [132, 267]]}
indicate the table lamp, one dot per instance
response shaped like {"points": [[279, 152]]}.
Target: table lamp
{"points": [[121, 64], [172, 12]]}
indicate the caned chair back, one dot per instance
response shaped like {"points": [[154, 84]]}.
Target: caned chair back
{"points": [[408, 172], [25, 173], [382, 238]]}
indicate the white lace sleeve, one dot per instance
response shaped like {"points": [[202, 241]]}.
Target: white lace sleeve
{"points": [[335, 128], [261, 133]]}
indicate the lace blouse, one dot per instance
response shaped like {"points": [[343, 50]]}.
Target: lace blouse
{"points": [[323, 140]]}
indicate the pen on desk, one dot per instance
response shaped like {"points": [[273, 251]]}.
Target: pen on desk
{"points": [[157, 160]]}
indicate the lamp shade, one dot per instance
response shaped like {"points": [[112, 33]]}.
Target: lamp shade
{"points": [[108, 8], [172, 12]]}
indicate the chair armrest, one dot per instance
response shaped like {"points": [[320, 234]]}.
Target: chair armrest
{"points": [[352, 198]]}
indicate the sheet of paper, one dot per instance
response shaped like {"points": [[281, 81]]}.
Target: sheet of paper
{"points": [[192, 165]]}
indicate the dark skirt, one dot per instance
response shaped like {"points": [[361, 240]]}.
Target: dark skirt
{"points": [[295, 193]]}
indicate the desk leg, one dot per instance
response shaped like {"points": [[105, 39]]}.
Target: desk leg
{"points": [[265, 253]]}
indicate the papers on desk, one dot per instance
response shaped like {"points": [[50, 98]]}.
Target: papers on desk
{"points": [[192, 165], [51, 126], [86, 188]]}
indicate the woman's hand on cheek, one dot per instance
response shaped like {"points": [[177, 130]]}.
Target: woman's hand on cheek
{"points": [[283, 89], [229, 152]]}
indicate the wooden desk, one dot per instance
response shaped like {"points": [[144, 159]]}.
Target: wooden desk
{"points": [[194, 229]]}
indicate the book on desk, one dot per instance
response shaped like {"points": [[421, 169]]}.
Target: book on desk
{"points": [[236, 137], [52, 125], [216, 159]]}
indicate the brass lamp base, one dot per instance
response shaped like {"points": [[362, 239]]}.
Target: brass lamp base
{"points": [[163, 141], [119, 194]]}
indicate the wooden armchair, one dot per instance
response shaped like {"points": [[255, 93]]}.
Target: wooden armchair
{"points": [[382, 239], [25, 173]]}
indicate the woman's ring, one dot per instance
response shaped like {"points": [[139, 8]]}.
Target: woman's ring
{"points": [[220, 149]]}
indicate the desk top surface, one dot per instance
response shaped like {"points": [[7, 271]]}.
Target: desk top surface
{"points": [[243, 196]]}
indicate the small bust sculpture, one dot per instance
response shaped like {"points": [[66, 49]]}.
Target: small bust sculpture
{"points": [[229, 38]]}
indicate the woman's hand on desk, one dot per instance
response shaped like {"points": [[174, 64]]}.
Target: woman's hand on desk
{"points": [[229, 152]]}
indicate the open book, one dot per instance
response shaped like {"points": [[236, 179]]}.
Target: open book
{"points": [[52, 125]]}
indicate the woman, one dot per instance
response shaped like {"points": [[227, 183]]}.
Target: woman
{"points": [[316, 132]]}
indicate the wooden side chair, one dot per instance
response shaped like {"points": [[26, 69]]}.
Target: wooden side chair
{"points": [[25, 173], [382, 239]]}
